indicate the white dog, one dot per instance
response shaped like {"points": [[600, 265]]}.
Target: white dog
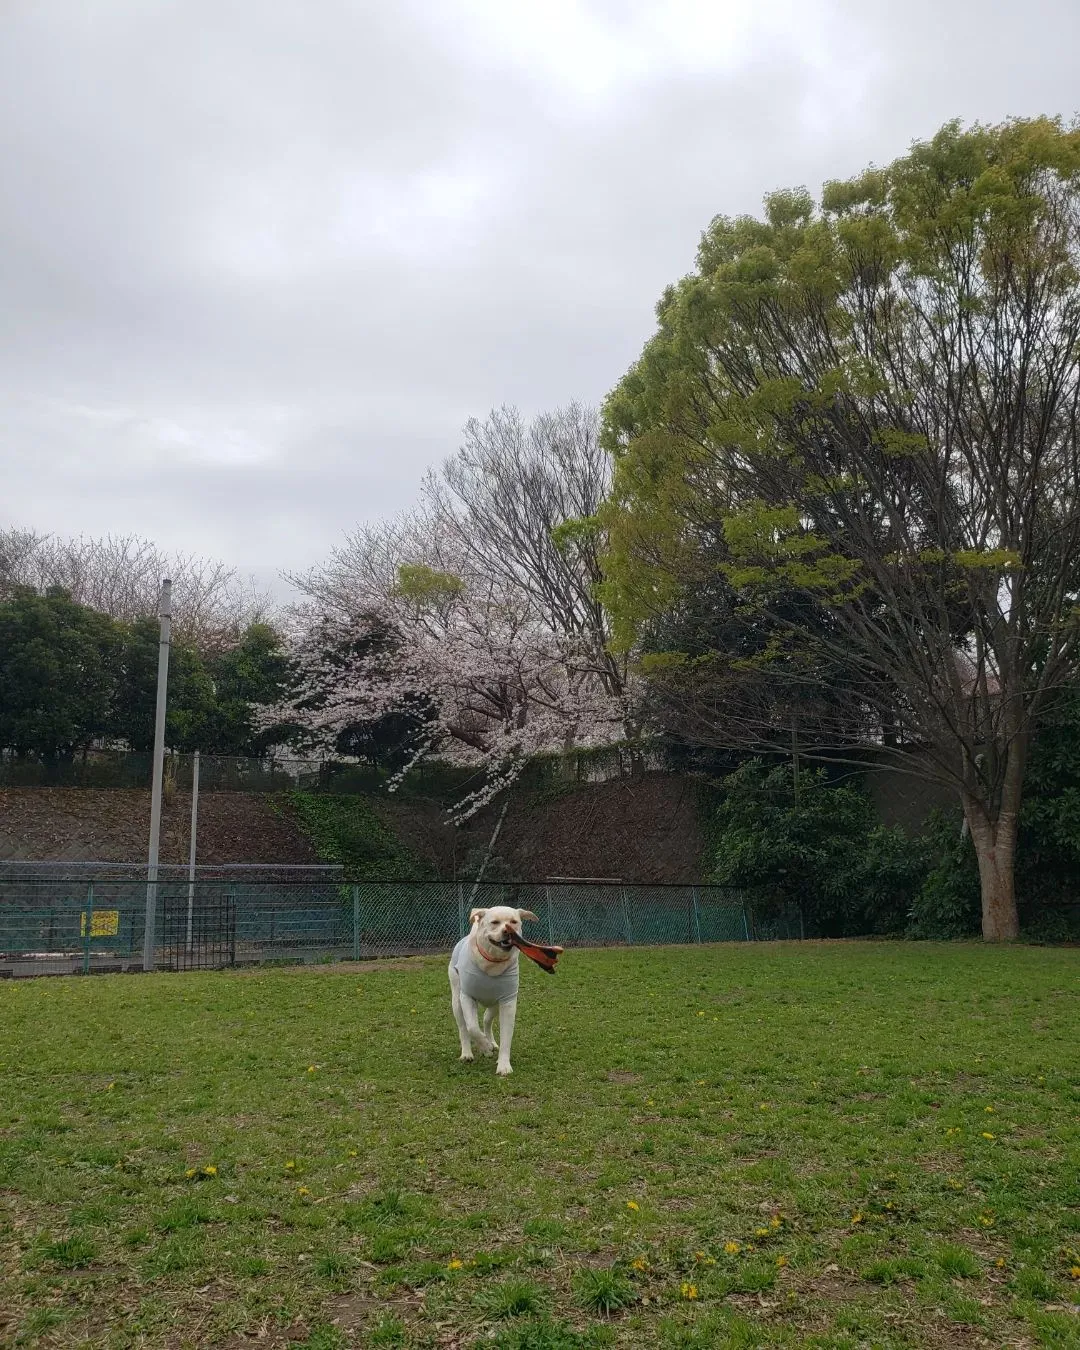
{"points": [[484, 974]]}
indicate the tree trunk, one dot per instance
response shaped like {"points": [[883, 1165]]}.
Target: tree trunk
{"points": [[995, 850]]}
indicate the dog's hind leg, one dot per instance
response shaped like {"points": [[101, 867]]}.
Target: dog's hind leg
{"points": [[489, 1019]]}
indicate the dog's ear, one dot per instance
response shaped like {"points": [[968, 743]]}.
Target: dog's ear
{"points": [[475, 914], [527, 914]]}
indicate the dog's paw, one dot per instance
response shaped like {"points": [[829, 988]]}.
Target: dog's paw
{"points": [[466, 1058], [503, 1070], [486, 1046]]}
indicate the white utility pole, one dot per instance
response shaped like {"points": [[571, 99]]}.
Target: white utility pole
{"points": [[165, 614], [191, 850]]}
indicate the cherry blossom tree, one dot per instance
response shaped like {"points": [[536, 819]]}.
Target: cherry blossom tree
{"points": [[474, 619], [467, 664]]}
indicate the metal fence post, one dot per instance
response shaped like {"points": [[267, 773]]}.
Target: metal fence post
{"points": [[156, 786], [746, 926], [192, 844], [88, 919], [697, 914], [356, 923], [627, 923], [547, 903], [461, 910]]}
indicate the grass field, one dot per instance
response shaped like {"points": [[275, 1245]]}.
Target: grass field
{"points": [[791, 1145]]}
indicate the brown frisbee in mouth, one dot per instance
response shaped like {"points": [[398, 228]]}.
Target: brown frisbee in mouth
{"points": [[545, 957]]}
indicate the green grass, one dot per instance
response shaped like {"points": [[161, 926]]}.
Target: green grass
{"points": [[796, 1145]]}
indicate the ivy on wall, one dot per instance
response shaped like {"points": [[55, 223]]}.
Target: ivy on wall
{"points": [[346, 830]]}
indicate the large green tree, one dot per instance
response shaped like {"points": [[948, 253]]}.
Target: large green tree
{"points": [[871, 402], [191, 708], [250, 675], [70, 676], [58, 673]]}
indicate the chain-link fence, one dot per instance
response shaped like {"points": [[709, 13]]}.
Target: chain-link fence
{"points": [[52, 925]]}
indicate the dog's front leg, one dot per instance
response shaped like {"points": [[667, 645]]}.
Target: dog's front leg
{"points": [[456, 1003], [489, 1021], [507, 1016], [469, 1009]]}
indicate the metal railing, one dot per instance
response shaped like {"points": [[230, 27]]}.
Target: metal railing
{"points": [[53, 925]]}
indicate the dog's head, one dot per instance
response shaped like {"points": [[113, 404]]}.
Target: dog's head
{"points": [[494, 926]]}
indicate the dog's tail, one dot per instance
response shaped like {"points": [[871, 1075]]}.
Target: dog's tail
{"points": [[545, 957]]}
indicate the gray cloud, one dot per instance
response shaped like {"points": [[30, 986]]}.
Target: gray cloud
{"points": [[259, 261]]}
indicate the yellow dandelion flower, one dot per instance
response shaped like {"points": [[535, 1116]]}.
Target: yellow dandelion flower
{"points": [[109, 1087], [987, 1220], [311, 1068], [731, 1248], [639, 1264], [1000, 1263], [289, 1165], [687, 1290], [988, 1109], [210, 1171], [781, 1260], [701, 1014], [857, 1218], [633, 1204], [762, 1232], [1074, 1272], [190, 1172], [987, 1135], [354, 1153], [775, 1222], [455, 1264], [303, 1190]]}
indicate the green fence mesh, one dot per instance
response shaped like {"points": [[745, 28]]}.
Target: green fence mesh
{"points": [[53, 925]]}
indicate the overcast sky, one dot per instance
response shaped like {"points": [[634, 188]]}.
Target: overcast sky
{"points": [[260, 259]]}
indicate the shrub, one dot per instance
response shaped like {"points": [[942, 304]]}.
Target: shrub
{"points": [[826, 854], [947, 905]]}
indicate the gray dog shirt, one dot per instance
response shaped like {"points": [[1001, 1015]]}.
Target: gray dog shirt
{"points": [[477, 984]]}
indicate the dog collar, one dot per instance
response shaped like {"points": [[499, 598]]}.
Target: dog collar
{"points": [[494, 960]]}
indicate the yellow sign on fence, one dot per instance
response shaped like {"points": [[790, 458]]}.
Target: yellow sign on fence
{"points": [[103, 923]]}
